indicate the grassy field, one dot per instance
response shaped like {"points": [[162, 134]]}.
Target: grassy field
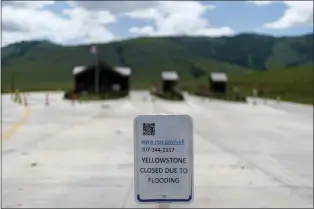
{"points": [[291, 84]]}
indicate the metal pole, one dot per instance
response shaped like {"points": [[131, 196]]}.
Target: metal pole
{"points": [[96, 74], [163, 204], [12, 85], [13, 81]]}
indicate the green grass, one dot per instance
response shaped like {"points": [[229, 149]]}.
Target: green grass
{"points": [[291, 84]]}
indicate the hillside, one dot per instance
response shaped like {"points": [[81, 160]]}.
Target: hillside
{"points": [[45, 65]]}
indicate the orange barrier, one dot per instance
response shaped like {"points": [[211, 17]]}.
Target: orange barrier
{"points": [[73, 99]]}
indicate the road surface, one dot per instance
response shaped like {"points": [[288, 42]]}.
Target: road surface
{"points": [[82, 156]]}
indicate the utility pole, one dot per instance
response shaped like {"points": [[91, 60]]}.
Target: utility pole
{"points": [[97, 75], [94, 51], [12, 85], [12, 81]]}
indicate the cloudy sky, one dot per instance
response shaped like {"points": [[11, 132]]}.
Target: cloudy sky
{"points": [[85, 22]]}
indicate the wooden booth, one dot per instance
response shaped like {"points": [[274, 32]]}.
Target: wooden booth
{"points": [[169, 81], [110, 79], [218, 83]]}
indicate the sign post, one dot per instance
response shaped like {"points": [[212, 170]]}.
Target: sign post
{"points": [[163, 159], [93, 50]]}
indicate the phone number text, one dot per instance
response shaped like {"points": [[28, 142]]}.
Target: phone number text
{"points": [[157, 149]]}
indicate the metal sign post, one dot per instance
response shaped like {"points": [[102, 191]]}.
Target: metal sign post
{"points": [[94, 51], [96, 75], [163, 159], [164, 205]]}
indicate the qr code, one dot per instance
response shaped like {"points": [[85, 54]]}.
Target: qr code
{"points": [[149, 129]]}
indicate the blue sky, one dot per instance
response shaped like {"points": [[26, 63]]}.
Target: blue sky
{"points": [[107, 21], [58, 7]]}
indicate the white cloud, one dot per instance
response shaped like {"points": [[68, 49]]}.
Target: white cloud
{"points": [[28, 21], [150, 13], [86, 21], [146, 30], [261, 3], [178, 18], [298, 13], [114, 7], [27, 4], [214, 32]]}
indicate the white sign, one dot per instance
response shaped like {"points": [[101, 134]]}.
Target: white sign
{"points": [[163, 158], [116, 87]]}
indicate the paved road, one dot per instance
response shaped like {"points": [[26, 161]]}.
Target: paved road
{"points": [[82, 155], [11, 112]]}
